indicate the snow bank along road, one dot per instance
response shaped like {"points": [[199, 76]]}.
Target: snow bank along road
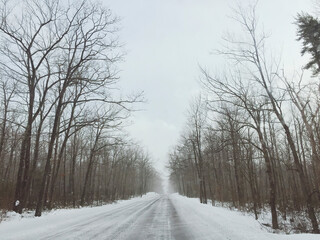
{"points": [[150, 217]]}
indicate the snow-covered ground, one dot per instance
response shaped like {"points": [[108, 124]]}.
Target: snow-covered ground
{"points": [[151, 217], [210, 222]]}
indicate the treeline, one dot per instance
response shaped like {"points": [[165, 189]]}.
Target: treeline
{"points": [[254, 139], [61, 115]]}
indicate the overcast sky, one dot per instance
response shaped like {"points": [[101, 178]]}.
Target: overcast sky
{"points": [[167, 40]]}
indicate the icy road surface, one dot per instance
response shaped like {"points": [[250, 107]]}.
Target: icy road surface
{"points": [[150, 217]]}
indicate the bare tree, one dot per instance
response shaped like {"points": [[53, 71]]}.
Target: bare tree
{"points": [[197, 125], [60, 61]]}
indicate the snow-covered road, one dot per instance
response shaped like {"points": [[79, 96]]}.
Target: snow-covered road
{"points": [[150, 217]]}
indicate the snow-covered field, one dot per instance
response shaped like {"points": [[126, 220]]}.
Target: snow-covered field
{"points": [[151, 217]]}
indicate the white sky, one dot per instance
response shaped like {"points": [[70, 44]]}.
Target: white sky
{"points": [[167, 40]]}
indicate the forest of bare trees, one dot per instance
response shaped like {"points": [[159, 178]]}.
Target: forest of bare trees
{"points": [[61, 115], [253, 137]]}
